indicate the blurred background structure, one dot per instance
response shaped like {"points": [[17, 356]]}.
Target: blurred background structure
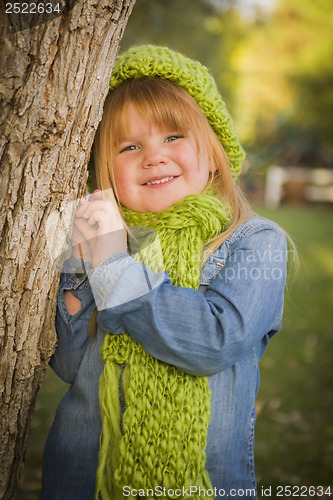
{"points": [[272, 60]]}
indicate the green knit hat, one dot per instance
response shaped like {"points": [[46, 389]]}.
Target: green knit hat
{"points": [[150, 60]]}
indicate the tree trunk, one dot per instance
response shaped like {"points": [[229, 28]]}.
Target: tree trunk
{"points": [[53, 82]]}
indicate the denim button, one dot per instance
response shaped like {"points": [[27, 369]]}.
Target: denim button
{"points": [[79, 273]]}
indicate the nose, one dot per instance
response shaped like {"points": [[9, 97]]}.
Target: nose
{"points": [[153, 157]]}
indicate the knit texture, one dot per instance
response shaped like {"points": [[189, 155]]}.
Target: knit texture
{"points": [[150, 60], [162, 437]]}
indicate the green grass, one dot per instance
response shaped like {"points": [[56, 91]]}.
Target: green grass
{"points": [[294, 431]]}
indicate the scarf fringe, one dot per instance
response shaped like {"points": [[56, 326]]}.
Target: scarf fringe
{"points": [[111, 433]]}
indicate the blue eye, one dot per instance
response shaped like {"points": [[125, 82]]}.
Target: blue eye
{"points": [[173, 138], [132, 147]]}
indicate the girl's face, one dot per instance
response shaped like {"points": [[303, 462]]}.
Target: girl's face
{"points": [[155, 168]]}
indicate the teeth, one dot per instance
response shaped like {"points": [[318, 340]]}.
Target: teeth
{"points": [[165, 179]]}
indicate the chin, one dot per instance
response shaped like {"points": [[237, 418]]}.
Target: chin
{"points": [[156, 205], [159, 207]]}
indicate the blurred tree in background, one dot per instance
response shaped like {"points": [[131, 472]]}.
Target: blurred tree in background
{"points": [[286, 85]]}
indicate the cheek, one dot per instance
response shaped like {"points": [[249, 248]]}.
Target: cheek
{"points": [[121, 171], [202, 176], [189, 159], [126, 185], [197, 169], [120, 176]]}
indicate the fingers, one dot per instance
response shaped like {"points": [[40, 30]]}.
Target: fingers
{"points": [[101, 212], [81, 245], [83, 202], [106, 197], [96, 195], [87, 207], [97, 221], [84, 230]]}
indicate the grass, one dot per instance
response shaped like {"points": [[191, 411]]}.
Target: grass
{"points": [[294, 434], [294, 431]]}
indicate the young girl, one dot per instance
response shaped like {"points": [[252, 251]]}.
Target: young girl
{"points": [[162, 396]]}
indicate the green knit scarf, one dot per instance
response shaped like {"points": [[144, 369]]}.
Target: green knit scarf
{"points": [[162, 437]]}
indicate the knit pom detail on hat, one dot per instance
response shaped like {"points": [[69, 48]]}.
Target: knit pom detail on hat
{"points": [[151, 60]]}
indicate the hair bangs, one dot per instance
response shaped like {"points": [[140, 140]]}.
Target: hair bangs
{"points": [[161, 103]]}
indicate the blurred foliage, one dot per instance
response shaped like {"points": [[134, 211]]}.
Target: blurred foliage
{"points": [[313, 80], [286, 84]]}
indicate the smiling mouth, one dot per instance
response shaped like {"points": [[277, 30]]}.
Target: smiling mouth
{"points": [[160, 181]]}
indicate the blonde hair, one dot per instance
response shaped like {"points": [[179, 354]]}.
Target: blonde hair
{"points": [[167, 105]]}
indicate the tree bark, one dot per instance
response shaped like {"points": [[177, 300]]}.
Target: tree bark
{"points": [[53, 82]]}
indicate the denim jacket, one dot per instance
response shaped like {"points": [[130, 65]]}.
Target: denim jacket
{"points": [[220, 331]]}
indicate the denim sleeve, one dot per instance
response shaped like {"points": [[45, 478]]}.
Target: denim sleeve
{"points": [[72, 331], [203, 333]]}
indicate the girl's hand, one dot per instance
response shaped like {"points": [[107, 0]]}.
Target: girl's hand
{"points": [[99, 229], [80, 240]]}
